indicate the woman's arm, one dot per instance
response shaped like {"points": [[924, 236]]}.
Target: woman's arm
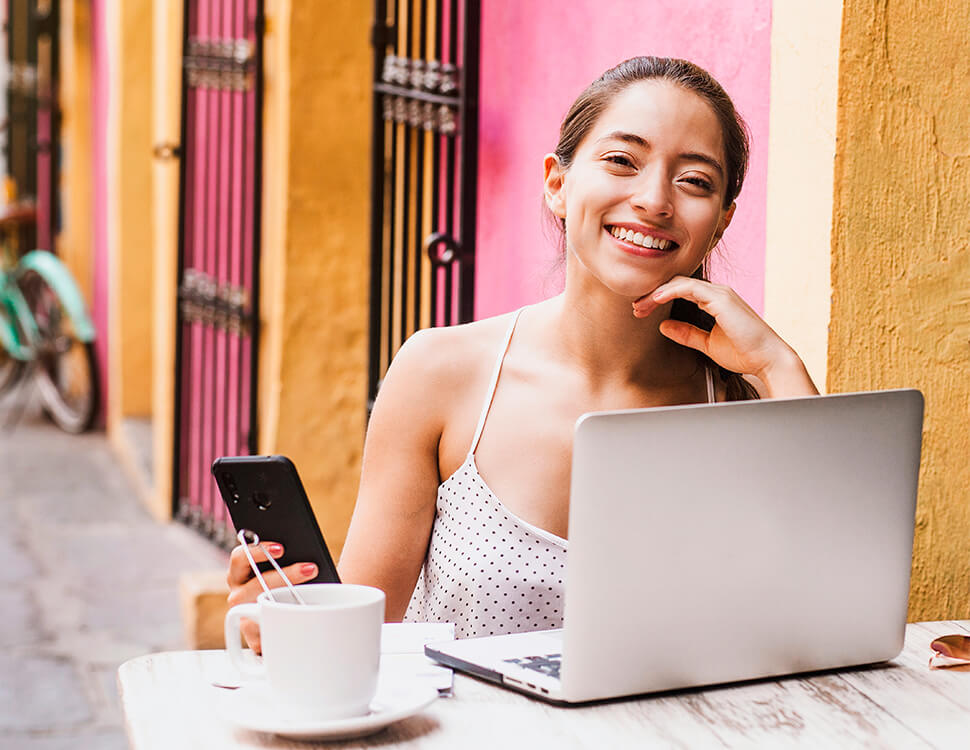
{"points": [[740, 340], [395, 507], [391, 526]]}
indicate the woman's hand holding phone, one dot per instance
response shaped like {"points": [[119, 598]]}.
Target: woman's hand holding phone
{"points": [[243, 586]]}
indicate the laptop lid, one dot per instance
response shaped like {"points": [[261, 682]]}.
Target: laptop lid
{"points": [[716, 543]]}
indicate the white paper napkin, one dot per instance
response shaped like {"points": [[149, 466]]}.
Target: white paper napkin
{"points": [[403, 659]]}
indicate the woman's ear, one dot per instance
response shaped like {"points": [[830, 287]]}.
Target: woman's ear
{"points": [[553, 185], [724, 223]]}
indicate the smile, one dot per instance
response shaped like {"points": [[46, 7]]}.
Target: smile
{"points": [[640, 238]]}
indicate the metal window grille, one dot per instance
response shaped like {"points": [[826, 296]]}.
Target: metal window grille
{"points": [[424, 162], [218, 273], [32, 127]]}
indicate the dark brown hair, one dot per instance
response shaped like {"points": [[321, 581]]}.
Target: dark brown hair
{"points": [[590, 104]]}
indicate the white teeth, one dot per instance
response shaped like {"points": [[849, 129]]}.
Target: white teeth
{"points": [[638, 238]]}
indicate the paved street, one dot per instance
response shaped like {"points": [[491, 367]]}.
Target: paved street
{"points": [[87, 580]]}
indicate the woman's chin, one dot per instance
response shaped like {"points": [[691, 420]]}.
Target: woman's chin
{"points": [[633, 291]]}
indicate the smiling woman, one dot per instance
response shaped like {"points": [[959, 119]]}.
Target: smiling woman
{"points": [[463, 503], [691, 106]]}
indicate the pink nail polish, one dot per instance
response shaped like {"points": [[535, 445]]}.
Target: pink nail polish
{"points": [[308, 569], [275, 549]]}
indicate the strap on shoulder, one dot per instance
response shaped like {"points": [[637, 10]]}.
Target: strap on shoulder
{"points": [[492, 386]]}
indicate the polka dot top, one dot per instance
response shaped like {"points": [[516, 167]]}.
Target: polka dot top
{"points": [[487, 570]]}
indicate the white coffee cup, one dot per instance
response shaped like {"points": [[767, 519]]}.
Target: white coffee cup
{"points": [[321, 658]]}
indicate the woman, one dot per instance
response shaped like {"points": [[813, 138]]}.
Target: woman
{"points": [[650, 160]]}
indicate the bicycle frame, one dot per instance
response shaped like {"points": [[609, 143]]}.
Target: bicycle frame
{"points": [[18, 330]]}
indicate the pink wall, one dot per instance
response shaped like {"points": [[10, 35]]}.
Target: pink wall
{"points": [[537, 55]]}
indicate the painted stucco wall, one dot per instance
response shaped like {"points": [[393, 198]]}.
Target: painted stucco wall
{"points": [[313, 363], [74, 242], [537, 56], [129, 210], [901, 256], [801, 161], [166, 121]]}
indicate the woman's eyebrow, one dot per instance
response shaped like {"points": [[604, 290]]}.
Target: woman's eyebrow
{"points": [[620, 135], [636, 140], [704, 158]]}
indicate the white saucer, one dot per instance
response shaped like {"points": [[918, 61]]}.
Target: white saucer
{"points": [[253, 707]]}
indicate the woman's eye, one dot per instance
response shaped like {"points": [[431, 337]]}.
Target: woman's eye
{"points": [[620, 159], [699, 182]]}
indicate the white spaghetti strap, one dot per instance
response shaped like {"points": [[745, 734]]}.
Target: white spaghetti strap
{"points": [[491, 387], [711, 396]]}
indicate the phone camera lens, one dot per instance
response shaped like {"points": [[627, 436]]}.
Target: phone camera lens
{"points": [[262, 500]]}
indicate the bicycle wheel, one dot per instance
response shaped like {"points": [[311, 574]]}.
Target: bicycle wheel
{"points": [[66, 369], [10, 371]]}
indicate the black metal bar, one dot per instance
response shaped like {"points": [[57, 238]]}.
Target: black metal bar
{"points": [[259, 31], [213, 267], [54, 155], [448, 269], [436, 173], [178, 458], [225, 106], [469, 158], [391, 198], [8, 134], [407, 202], [377, 206], [450, 170], [246, 237], [229, 281]]}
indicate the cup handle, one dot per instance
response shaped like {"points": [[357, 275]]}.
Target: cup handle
{"points": [[234, 639]]}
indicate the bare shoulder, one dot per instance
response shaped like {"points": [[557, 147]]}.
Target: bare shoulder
{"points": [[437, 368]]}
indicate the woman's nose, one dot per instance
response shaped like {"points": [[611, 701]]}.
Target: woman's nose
{"points": [[652, 195]]}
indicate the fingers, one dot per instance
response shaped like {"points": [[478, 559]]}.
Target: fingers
{"points": [[250, 589], [702, 293], [239, 569], [244, 586], [644, 306], [686, 335], [250, 631]]}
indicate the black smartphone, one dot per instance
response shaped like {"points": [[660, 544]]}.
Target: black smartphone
{"points": [[264, 494]]}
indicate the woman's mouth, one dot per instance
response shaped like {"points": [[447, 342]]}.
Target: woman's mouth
{"points": [[641, 241]]}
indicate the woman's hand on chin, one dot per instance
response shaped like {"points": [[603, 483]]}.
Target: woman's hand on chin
{"points": [[740, 340]]}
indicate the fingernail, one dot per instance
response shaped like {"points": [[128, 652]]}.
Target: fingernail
{"points": [[275, 549], [308, 569], [642, 310]]}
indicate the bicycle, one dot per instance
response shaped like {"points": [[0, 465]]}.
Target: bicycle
{"points": [[46, 335]]}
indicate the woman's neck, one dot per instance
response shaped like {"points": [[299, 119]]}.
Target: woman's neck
{"points": [[593, 328]]}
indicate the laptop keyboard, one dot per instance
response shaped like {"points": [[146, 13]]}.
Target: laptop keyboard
{"points": [[547, 665]]}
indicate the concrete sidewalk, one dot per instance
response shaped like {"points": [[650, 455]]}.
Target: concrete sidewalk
{"points": [[87, 580]]}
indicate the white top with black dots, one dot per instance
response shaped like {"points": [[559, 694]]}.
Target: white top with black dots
{"points": [[487, 570]]}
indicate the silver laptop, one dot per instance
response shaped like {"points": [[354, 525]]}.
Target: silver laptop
{"points": [[725, 542]]}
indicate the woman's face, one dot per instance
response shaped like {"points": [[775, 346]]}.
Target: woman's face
{"points": [[642, 200]]}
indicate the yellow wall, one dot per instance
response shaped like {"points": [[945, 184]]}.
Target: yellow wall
{"points": [[129, 33], [166, 119], [901, 256], [801, 155], [314, 291], [75, 241]]}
